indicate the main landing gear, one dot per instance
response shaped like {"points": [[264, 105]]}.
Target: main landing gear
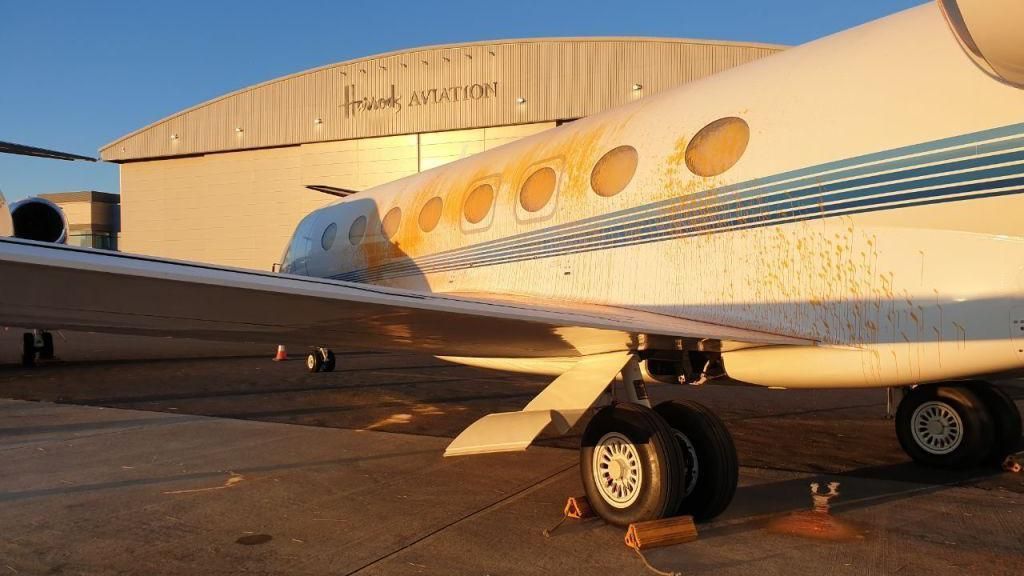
{"points": [[641, 464], [320, 360], [36, 344], [958, 424]]}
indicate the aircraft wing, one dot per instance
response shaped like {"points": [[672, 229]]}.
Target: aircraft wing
{"points": [[12, 148], [61, 287]]}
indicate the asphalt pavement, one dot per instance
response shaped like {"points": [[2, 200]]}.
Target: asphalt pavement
{"points": [[149, 464]]}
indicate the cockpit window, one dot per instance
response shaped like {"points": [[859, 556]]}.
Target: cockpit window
{"points": [[717, 146], [613, 171], [357, 230], [327, 240]]}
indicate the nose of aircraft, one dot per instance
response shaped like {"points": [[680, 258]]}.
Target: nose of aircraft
{"points": [[989, 31]]}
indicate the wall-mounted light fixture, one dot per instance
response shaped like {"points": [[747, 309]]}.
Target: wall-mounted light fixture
{"points": [[638, 87], [174, 136], [318, 121], [239, 130], [520, 100]]}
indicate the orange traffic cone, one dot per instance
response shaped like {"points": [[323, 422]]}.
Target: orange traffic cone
{"points": [[282, 354]]}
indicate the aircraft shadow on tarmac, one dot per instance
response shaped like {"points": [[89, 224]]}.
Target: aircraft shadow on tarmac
{"points": [[251, 389]]}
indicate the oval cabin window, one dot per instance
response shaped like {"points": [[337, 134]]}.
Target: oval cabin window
{"points": [[537, 190], [717, 147], [357, 230], [389, 225], [327, 240], [613, 171], [430, 214], [478, 203]]}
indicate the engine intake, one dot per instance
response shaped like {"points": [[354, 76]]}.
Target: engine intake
{"points": [[39, 219], [989, 31]]}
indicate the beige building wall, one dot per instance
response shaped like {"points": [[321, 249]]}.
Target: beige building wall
{"points": [[240, 208]]}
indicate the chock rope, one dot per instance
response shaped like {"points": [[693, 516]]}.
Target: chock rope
{"points": [[548, 531], [652, 568], [577, 508]]}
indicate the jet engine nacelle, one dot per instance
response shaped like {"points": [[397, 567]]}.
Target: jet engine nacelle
{"points": [[34, 219], [989, 31]]}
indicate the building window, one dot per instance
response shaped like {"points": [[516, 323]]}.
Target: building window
{"points": [[430, 214], [327, 240], [537, 190], [478, 203], [717, 146], [357, 230], [389, 226], [101, 240], [613, 171]]}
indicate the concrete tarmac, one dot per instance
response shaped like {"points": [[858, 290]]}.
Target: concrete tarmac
{"points": [[243, 465]]}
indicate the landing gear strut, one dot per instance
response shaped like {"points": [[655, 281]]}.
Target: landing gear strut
{"points": [[37, 343], [958, 424], [320, 360]]}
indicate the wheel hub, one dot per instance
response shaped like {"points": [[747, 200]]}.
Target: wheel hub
{"points": [[617, 470], [692, 464], [937, 428]]}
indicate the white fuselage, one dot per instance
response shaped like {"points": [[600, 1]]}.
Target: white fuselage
{"points": [[876, 209]]}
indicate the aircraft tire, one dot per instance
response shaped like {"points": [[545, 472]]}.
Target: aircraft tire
{"points": [[712, 467], [944, 426], [28, 350], [313, 362], [631, 465], [1006, 420]]}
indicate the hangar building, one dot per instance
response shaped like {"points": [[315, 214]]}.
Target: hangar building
{"points": [[225, 181]]}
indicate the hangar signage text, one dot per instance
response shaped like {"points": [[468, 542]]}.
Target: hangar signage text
{"points": [[355, 103]]}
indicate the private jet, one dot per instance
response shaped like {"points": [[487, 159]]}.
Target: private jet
{"points": [[35, 219], [843, 214]]}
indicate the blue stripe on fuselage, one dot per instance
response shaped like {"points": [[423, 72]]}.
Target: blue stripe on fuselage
{"points": [[811, 192]]}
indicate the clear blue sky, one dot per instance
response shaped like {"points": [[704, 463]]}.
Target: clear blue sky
{"points": [[76, 75]]}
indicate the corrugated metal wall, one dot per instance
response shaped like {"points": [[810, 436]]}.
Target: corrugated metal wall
{"points": [[465, 86]]}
